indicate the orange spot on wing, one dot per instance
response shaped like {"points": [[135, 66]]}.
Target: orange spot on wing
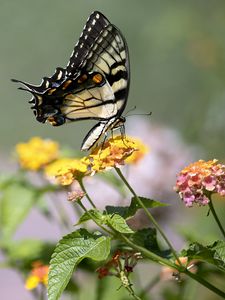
{"points": [[82, 78], [66, 84], [97, 78]]}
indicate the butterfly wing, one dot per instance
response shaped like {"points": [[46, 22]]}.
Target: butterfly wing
{"points": [[94, 85]]}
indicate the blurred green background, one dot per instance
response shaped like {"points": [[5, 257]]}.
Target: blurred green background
{"points": [[177, 53]]}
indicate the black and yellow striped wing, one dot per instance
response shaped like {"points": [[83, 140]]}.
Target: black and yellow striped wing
{"points": [[94, 85]]}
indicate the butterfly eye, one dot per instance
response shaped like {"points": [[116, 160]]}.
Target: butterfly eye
{"points": [[82, 78], [97, 78]]}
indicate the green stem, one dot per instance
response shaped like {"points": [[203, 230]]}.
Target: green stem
{"points": [[211, 206], [152, 256], [86, 194], [166, 262], [152, 219], [90, 214], [205, 283], [131, 291]]}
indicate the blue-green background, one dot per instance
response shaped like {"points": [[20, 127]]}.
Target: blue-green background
{"points": [[177, 53]]}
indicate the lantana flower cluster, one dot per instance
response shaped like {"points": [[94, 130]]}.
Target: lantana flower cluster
{"points": [[196, 182], [36, 153], [116, 152], [40, 154]]}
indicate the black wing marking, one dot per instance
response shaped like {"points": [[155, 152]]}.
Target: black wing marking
{"points": [[94, 25]]}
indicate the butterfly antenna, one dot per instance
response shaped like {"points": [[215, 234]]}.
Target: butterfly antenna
{"points": [[144, 114], [131, 109]]}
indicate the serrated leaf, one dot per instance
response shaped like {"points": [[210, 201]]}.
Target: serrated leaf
{"points": [[15, 204], [69, 252], [91, 214], [213, 254], [129, 211], [118, 223]]}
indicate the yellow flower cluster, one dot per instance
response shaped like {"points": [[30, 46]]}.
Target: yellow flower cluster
{"points": [[66, 170], [38, 275], [39, 153], [36, 153], [116, 152]]}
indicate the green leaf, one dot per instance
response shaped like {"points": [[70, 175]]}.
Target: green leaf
{"points": [[20, 254], [69, 252], [91, 214], [129, 211], [15, 204], [147, 238], [213, 254], [6, 180], [114, 221], [118, 223]]}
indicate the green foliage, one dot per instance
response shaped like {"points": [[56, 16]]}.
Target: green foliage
{"points": [[118, 223], [147, 238], [21, 254], [213, 254], [129, 211], [114, 221], [69, 252], [91, 214], [15, 204]]}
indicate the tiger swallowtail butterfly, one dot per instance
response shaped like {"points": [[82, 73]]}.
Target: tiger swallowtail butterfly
{"points": [[94, 85]]}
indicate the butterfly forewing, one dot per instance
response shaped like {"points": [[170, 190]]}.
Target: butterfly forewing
{"points": [[94, 25], [108, 57]]}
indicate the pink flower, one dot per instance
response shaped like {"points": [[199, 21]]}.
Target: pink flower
{"points": [[199, 180], [209, 183]]}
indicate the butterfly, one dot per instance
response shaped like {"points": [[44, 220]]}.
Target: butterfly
{"points": [[94, 85]]}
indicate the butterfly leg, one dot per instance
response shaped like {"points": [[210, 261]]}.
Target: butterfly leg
{"points": [[123, 133]]}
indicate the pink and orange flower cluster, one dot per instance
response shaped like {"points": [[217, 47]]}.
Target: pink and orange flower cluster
{"points": [[199, 180]]}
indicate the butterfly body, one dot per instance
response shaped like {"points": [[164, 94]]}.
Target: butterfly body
{"points": [[94, 85]]}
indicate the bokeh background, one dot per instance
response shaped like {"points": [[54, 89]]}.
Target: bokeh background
{"points": [[177, 54]]}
